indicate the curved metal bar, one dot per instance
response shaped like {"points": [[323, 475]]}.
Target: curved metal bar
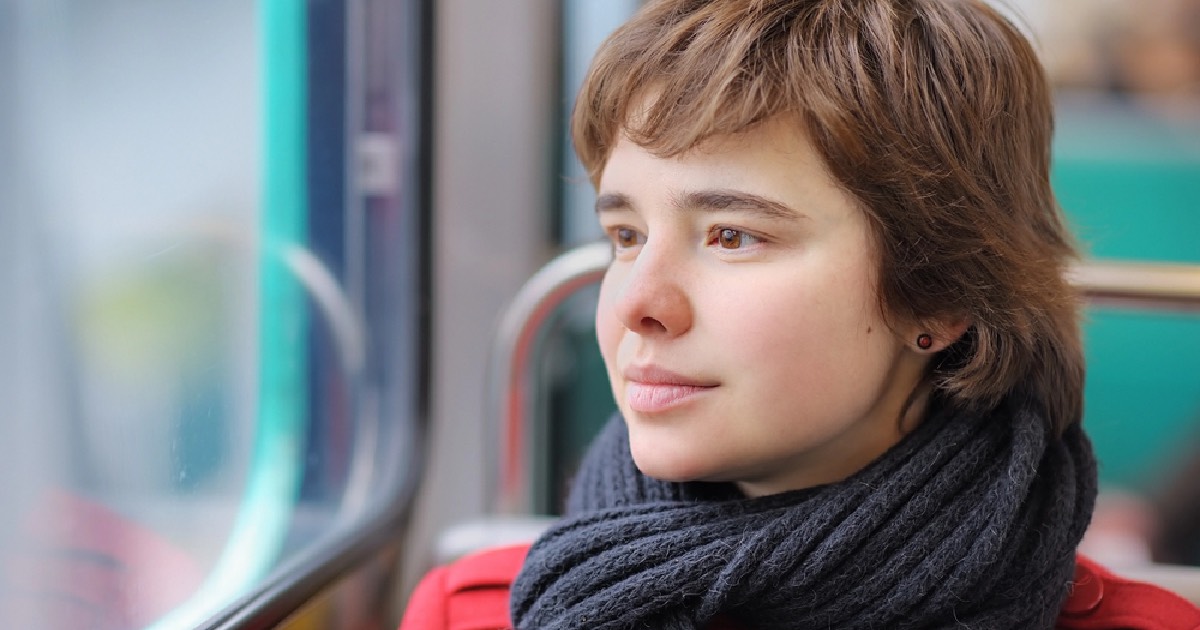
{"points": [[1144, 285], [511, 366], [1153, 285]]}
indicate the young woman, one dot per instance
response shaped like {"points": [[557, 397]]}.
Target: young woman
{"points": [[847, 363]]}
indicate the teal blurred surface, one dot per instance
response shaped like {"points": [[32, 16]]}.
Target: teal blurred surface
{"points": [[1128, 178]]}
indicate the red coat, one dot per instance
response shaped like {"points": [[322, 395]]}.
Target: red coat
{"points": [[472, 594]]}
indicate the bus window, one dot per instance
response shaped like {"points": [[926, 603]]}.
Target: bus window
{"points": [[212, 274]]}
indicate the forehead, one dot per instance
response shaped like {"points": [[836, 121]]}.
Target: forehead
{"points": [[774, 159]]}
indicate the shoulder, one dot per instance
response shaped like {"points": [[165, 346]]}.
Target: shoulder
{"points": [[1101, 600], [471, 593]]}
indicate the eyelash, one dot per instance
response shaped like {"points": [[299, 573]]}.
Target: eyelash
{"points": [[620, 235], [719, 232]]}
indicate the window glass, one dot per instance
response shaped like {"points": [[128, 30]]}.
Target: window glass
{"points": [[585, 24], [186, 406]]}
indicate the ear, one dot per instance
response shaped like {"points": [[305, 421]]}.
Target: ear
{"points": [[934, 336]]}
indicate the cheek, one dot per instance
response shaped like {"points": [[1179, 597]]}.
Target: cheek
{"points": [[608, 327], [800, 329]]}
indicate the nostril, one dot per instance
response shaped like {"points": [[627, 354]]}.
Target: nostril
{"points": [[649, 323]]}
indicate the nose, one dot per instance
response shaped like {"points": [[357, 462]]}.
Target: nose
{"points": [[651, 298]]}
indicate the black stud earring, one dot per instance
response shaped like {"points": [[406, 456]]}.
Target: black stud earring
{"points": [[924, 341]]}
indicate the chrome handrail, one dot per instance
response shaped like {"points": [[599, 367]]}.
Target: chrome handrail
{"points": [[511, 425], [511, 370], [1140, 284]]}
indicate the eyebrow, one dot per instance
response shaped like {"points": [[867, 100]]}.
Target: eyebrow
{"points": [[710, 201], [611, 202]]}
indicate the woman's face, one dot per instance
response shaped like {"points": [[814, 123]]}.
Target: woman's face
{"points": [[739, 320]]}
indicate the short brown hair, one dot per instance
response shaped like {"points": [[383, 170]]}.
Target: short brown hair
{"points": [[934, 114]]}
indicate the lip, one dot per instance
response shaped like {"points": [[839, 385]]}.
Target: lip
{"points": [[655, 375], [651, 389]]}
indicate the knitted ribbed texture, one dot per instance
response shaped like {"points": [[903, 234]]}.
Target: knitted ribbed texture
{"points": [[971, 521]]}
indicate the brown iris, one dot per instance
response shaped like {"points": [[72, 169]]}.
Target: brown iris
{"points": [[729, 238]]}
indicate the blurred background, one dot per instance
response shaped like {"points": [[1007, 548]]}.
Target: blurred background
{"points": [[255, 254]]}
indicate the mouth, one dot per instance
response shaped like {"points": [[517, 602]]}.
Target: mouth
{"points": [[652, 389], [655, 375]]}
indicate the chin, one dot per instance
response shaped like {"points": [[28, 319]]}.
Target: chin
{"points": [[666, 464]]}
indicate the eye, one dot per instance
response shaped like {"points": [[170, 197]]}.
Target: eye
{"points": [[731, 238], [625, 237]]}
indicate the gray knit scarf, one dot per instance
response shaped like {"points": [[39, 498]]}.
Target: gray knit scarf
{"points": [[971, 521]]}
